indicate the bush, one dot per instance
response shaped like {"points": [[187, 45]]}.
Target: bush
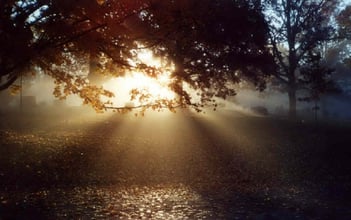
{"points": [[261, 110]]}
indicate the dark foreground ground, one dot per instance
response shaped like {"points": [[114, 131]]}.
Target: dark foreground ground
{"points": [[172, 166]]}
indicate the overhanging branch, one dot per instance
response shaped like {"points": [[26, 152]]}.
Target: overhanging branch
{"points": [[143, 106], [9, 82]]}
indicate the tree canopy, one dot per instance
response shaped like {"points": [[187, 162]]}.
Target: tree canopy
{"points": [[212, 44], [55, 37], [344, 23]]}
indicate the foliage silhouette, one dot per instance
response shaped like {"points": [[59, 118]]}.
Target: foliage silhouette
{"points": [[213, 44]]}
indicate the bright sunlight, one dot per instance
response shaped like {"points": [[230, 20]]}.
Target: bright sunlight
{"points": [[151, 88]]}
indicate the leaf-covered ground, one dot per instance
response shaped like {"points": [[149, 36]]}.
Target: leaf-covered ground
{"points": [[172, 166]]}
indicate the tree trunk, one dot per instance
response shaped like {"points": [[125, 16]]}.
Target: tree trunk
{"points": [[179, 72], [292, 103], [293, 63]]}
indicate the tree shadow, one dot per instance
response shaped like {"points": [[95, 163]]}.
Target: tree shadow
{"points": [[35, 180], [247, 178], [226, 161], [65, 160]]}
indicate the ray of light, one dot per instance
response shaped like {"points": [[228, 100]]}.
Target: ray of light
{"points": [[151, 88]]}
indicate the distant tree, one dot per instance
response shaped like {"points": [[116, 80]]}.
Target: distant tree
{"points": [[344, 47], [344, 22], [213, 44], [298, 30], [337, 52]]}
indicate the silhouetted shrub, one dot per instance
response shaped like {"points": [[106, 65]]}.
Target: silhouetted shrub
{"points": [[261, 110]]}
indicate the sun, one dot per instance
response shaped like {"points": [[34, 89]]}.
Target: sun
{"points": [[153, 88]]}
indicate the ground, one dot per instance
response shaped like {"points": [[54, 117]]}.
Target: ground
{"points": [[218, 165]]}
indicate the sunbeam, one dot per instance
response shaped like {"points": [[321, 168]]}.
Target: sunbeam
{"points": [[137, 87]]}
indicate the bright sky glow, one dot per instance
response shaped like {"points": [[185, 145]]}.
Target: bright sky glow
{"points": [[156, 87]]}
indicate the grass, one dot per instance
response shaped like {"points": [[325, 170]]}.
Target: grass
{"points": [[261, 158]]}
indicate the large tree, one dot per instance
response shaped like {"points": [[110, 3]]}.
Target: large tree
{"points": [[57, 38], [298, 31], [212, 44]]}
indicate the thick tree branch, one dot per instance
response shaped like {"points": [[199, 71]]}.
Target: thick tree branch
{"points": [[278, 55], [8, 82], [142, 106]]}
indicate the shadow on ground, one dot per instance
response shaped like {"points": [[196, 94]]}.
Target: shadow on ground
{"points": [[173, 166]]}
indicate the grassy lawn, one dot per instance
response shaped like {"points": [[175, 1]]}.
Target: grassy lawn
{"points": [[233, 162]]}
